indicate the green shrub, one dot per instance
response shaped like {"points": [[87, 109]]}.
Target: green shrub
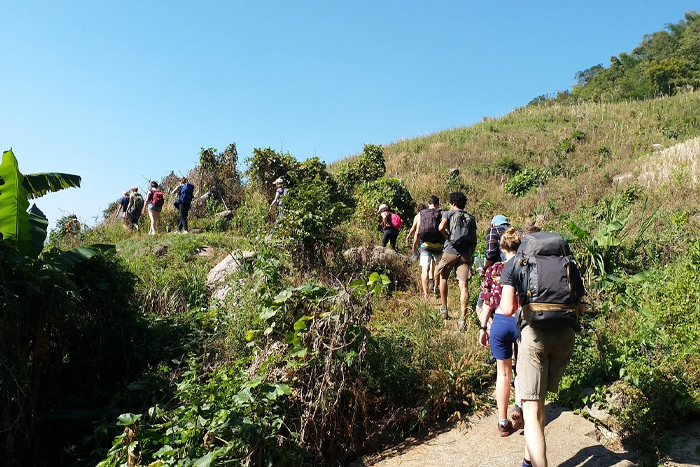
{"points": [[389, 191], [367, 167], [523, 181]]}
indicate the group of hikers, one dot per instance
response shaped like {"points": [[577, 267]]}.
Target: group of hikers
{"points": [[528, 307], [132, 205]]}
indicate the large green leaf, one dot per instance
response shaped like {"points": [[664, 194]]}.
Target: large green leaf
{"points": [[38, 225], [66, 260], [14, 218], [41, 183]]}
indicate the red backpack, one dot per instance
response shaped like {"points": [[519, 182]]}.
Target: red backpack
{"points": [[395, 220], [157, 198]]}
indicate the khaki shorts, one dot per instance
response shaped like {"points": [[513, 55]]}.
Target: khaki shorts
{"points": [[542, 358], [449, 261]]}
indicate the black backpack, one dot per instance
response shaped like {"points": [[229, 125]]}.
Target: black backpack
{"points": [[548, 281], [430, 226]]}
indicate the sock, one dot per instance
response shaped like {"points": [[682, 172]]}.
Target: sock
{"points": [[502, 422], [519, 404]]}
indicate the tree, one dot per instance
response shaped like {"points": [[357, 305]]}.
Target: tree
{"points": [[369, 166], [219, 174]]}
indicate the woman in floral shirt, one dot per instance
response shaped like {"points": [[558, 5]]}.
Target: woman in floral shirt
{"points": [[503, 334]]}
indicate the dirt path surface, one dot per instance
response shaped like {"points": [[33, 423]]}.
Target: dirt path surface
{"points": [[571, 441]]}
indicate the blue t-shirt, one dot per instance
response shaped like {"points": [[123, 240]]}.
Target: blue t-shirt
{"points": [[124, 203]]}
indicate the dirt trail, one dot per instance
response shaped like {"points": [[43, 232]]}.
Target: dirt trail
{"points": [[571, 442]]}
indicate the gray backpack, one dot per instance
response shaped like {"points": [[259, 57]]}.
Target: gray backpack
{"points": [[548, 281], [461, 230]]}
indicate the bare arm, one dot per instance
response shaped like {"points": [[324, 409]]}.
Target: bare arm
{"points": [[413, 233], [508, 302], [443, 228]]}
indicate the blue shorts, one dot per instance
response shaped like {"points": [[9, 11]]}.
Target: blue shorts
{"points": [[504, 333], [153, 207]]}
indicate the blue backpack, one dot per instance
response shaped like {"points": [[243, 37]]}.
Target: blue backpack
{"points": [[186, 193]]}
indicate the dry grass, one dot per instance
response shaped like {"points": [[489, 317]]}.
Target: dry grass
{"points": [[679, 165]]}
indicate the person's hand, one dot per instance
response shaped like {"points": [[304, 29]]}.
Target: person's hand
{"points": [[480, 270], [483, 338]]}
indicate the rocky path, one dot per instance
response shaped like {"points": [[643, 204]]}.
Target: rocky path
{"points": [[572, 441]]}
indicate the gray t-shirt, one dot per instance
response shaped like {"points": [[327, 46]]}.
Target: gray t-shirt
{"points": [[449, 248]]}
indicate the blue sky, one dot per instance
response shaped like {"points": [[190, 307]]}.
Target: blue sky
{"points": [[121, 90]]}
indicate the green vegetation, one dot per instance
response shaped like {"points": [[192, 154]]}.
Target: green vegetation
{"points": [[127, 356]]}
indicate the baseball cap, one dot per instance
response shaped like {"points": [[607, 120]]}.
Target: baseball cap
{"points": [[382, 207], [279, 180], [499, 220]]}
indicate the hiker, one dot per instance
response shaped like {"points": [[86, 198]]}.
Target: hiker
{"points": [[154, 202], [389, 225], [136, 204], [123, 209], [550, 295], [185, 193], [459, 229], [502, 336], [492, 254], [428, 239], [280, 191]]}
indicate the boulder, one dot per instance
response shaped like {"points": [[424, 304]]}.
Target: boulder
{"points": [[160, 250], [228, 214], [219, 274], [372, 256]]}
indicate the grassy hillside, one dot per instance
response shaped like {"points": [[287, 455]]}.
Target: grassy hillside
{"points": [[580, 148]]}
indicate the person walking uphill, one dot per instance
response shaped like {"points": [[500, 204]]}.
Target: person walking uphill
{"points": [[389, 225], [550, 288], [459, 229], [154, 202], [502, 336], [135, 207], [185, 193], [427, 234]]}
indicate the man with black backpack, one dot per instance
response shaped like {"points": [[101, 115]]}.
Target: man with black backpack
{"points": [[549, 287], [427, 233], [459, 230]]}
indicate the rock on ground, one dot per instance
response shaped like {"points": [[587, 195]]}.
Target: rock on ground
{"points": [[571, 442]]}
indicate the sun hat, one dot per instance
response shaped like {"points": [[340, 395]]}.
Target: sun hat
{"points": [[278, 181], [499, 220], [382, 207]]}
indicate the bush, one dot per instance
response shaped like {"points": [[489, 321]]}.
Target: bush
{"points": [[368, 167], [390, 191], [522, 182]]}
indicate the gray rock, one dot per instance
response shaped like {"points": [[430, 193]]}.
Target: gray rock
{"points": [[219, 274], [160, 250]]}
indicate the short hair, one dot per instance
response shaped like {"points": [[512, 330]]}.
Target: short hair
{"points": [[458, 199], [183, 179], [126, 193], [420, 207], [434, 200], [530, 227], [510, 240], [154, 184], [135, 189]]}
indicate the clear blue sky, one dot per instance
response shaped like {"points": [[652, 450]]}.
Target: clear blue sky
{"points": [[121, 90]]}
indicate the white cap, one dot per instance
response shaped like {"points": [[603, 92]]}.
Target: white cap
{"points": [[382, 207], [279, 180]]}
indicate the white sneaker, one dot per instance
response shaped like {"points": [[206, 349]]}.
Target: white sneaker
{"points": [[185, 232]]}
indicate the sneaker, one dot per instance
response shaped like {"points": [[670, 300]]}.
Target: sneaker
{"points": [[437, 291], [460, 324], [505, 430], [431, 283], [491, 360], [517, 417], [443, 313]]}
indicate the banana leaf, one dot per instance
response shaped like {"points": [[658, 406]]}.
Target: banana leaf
{"points": [[39, 184], [68, 259], [14, 218], [38, 225]]}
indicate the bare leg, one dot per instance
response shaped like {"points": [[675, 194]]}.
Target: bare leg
{"points": [[424, 270], [151, 215], [503, 387], [535, 445], [463, 298], [443, 292]]}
